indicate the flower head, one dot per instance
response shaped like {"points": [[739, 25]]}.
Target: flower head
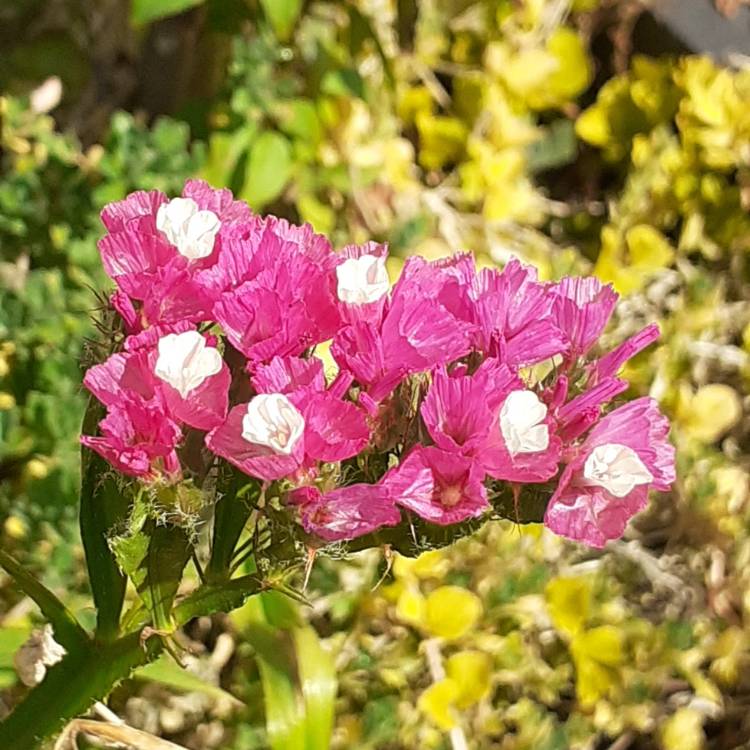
{"points": [[607, 478]]}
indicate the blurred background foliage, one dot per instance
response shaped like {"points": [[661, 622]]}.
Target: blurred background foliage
{"points": [[580, 135]]}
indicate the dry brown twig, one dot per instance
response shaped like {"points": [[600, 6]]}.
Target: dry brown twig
{"points": [[116, 735]]}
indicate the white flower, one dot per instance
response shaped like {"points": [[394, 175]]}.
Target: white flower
{"points": [[521, 421], [617, 468], [362, 280], [185, 361], [273, 421], [190, 229]]}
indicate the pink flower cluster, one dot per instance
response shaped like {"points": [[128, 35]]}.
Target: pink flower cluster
{"points": [[436, 399]]}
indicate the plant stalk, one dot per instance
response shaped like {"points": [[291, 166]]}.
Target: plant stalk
{"points": [[71, 687]]}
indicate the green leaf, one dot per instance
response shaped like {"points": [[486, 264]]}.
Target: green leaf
{"points": [[285, 718], [224, 153], [68, 630], [282, 15], [362, 29], [218, 598], [297, 673], [146, 11], [230, 516], [268, 170], [556, 148], [166, 672], [343, 82], [102, 507], [319, 686], [153, 557]]}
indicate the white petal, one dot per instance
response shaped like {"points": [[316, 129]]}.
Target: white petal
{"points": [[616, 468], [190, 230], [185, 361], [273, 421], [362, 280], [520, 423], [200, 235]]}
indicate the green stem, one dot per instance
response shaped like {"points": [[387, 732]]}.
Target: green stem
{"points": [[71, 687]]}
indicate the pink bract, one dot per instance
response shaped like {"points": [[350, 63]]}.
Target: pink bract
{"points": [[589, 513], [462, 414], [440, 486], [345, 513], [138, 440], [582, 308]]}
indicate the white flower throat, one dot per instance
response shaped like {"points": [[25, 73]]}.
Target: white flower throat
{"points": [[185, 361], [191, 230], [522, 423], [273, 421], [362, 280], [617, 468]]}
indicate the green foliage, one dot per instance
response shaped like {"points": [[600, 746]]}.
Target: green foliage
{"points": [[146, 11], [51, 192]]}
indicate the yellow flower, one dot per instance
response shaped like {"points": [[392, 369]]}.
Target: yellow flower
{"points": [[451, 612]]}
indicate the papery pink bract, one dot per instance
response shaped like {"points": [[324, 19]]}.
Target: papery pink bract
{"points": [[138, 439], [205, 407], [514, 316], [279, 300], [347, 512], [148, 268], [255, 460], [582, 308], [460, 410], [611, 362], [334, 429], [589, 513], [462, 413], [288, 374], [439, 486], [580, 413], [130, 375], [416, 333]]}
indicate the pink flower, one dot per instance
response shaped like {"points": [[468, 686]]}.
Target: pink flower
{"points": [[347, 512], [279, 283], [582, 308], [179, 373], [611, 363], [492, 417], [292, 423], [415, 333], [362, 283], [289, 374], [156, 247], [138, 440], [440, 486], [579, 414], [515, 319], [607, 478], [193, 378]]}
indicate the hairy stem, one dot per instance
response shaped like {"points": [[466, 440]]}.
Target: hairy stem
{"points": [[71, 687]]}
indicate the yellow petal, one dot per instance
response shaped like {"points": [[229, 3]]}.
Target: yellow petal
{"points": [[683, 731], [568, 603], [711, 412], [410, 607], [471, 671], [437, 702], [452, 612]]}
